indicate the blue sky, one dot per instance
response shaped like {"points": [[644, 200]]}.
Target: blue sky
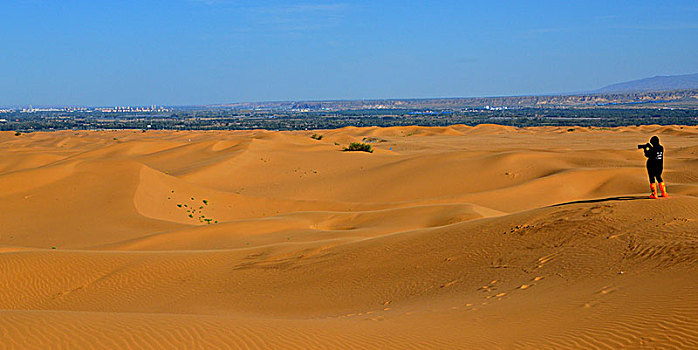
{"points": [[181, 52]]}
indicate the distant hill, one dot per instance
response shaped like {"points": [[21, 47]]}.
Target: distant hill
{"points": [[658, 83], [660, 91], [667, 98]]}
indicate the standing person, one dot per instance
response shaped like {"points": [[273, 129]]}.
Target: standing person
{"points": [[655, 165]]}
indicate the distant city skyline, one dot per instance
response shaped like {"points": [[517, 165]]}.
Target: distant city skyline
{"points": [[201, 52]]}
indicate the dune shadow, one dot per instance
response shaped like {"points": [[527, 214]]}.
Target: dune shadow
{"points": [[601, 200]]}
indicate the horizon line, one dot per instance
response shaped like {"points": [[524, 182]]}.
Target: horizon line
{"points": [[223, 104]]}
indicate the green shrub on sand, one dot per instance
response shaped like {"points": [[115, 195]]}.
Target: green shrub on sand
{"points": [[358, 147]]}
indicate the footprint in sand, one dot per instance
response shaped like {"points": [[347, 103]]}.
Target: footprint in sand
{"points": [[601, 293], [606, 290], [526, 286], [448, 284], [544, 260], [496, 295]]}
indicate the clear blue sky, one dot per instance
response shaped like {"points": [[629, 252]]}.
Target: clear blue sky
{"points": [[177, 52]]}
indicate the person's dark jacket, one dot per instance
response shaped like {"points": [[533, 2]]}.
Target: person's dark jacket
{"points": [[654, 153]]}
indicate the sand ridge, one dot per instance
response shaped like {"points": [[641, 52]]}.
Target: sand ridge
{"points": [[449, 237]]}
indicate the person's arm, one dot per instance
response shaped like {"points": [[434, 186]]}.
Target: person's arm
{"points": [[648, 151]]}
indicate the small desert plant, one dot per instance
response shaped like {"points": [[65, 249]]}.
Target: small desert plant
{"points": [[373, 140], [358, 147], [18, 133], [205, 201], [316, 137]]}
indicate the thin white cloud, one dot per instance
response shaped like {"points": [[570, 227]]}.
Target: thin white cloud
{"points": [[208, 2], [662, 27], [283, 18], [547, 30], [607, 17], [299, 17]]}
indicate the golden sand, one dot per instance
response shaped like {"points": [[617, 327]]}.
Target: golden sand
{"points": [[443, 238]]}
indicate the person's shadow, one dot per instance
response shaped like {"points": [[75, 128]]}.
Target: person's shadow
{"points": [[601, 200]]}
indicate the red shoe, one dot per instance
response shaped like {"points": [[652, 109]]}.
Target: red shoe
{"points": [[663, 189], [653, 187]]}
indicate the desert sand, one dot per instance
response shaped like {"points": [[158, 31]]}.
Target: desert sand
{"points": [[457, 237]]}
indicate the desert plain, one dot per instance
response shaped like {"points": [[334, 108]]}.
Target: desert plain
{"points": [[459, 237]]}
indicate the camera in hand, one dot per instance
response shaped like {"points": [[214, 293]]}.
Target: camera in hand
{"points": [[643, 146]]}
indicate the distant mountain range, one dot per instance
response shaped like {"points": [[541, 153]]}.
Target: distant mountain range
{"points": [[655, 99], [658, 92], [658, 83]]}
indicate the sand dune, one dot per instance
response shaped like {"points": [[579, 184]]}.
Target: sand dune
{"points": [[452, 237]]}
